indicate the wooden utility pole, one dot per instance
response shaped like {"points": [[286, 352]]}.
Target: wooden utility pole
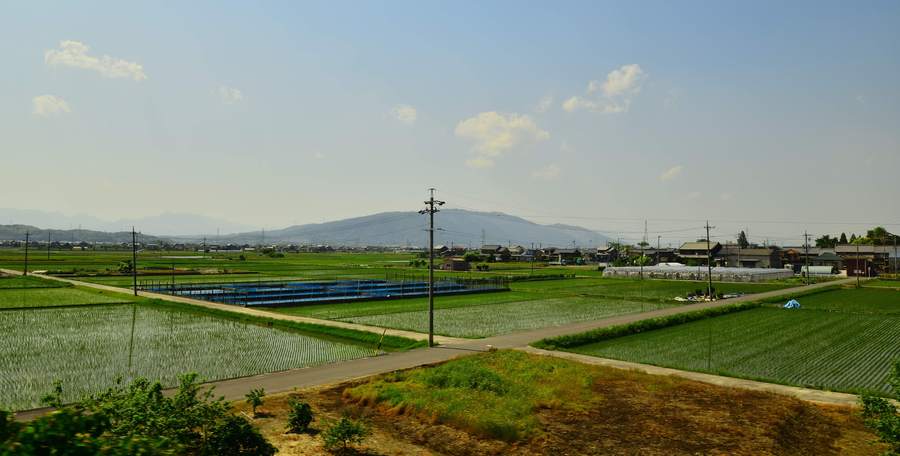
{"points": [[708, 262], [134, 260], [27, 235], [430, 209]]}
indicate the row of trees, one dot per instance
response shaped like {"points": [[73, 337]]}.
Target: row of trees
{"points": [[876, 236]]}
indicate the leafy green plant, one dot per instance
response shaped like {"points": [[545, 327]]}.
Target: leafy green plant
{"points": [[883, 417], [255, 398], [300, 416], [341, 435], [137, 419]]}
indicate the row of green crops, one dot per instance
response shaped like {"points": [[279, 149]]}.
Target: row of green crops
{"points": [[842, 340], [87, 348], [17, 281], [488, 320], [54, 297]]}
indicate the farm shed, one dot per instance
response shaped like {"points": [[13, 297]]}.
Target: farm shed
{"points": [[721, 274], [819, 270]]}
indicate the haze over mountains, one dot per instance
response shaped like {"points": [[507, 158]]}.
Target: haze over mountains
{"points": [[165, 224], [455, 226]]}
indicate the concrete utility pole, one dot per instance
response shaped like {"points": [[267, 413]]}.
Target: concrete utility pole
{"points": [[48, 245], [708, 261], [430, 209], [857, 265], [895, 253], [27, 235], [806, 246], [134, 259], [643, 243]]}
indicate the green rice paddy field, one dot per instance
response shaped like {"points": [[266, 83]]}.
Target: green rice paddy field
{"points": [[529, 305], [77, 337], [191, 267], [843, 340]]}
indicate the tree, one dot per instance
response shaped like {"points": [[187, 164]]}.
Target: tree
{"points": [[255, 398], [883, 417], [843, 240], [299, 416], [742, 240], [826, 241], [343, 434], [471, 257], [853, 238]]}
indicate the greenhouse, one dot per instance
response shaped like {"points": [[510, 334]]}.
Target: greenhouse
{"points": [[682, 272]]}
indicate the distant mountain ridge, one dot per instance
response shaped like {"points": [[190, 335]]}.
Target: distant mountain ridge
{"points": [[455, 226], [165, 224], [17, 233]]}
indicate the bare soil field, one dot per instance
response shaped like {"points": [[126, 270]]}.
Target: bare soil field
{"points": [[628, 413]]}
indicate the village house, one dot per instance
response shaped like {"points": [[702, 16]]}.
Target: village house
{"points": [[732, 255], [695, 253]]}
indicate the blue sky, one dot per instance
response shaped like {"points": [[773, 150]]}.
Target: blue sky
{"points": [[746, 113]]}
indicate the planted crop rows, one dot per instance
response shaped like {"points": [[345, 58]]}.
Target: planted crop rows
{"points": [[86, 348], [488, 320], [51, 297], [842, 340]]}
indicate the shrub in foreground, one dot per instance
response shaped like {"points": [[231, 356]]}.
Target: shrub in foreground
{"points": [[136, 419], [883, 417], [299, 416], [341, 435]]}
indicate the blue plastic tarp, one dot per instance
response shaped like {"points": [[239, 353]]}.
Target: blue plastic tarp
{"points": [[792, 304]]}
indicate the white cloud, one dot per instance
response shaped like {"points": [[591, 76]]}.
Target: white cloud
{"points": [[405, 113], [612, 95], [230, 95], [75, 54], [548, 173], [671, 173], [49, 105], [494, 134], [544, 104], [624, 80]]}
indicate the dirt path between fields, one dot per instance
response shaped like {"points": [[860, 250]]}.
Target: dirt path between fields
{"points": [[330, 374]]}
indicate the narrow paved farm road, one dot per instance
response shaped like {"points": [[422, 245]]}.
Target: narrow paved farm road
{"points": [[235, 389]]}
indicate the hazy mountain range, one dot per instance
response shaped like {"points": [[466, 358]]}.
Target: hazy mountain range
{"points": [[165, 224], [454, 226]]}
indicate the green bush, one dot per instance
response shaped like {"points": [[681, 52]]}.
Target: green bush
{"points": [[255, 398], [597, 335], [234, 435], [136, 419], [299, 416], [341, 435], [883, 417]]}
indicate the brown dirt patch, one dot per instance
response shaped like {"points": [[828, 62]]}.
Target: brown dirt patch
{"points": [[638, 414]]}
